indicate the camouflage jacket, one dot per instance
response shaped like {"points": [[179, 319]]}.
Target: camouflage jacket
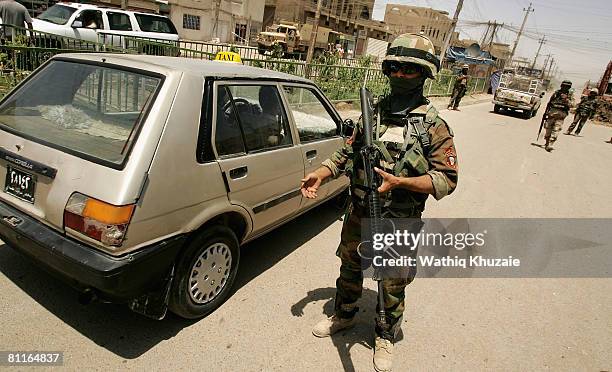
{"points": [[560, 102], [587, 107], [461, 82], [404, 155]]}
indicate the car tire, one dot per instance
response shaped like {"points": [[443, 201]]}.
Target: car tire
{"points": [[528, 114], [195, 292], [497, 109]]}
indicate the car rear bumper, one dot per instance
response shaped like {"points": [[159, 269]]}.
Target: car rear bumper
{"points": [[117, 279]]}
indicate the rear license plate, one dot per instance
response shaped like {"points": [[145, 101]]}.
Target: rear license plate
{"points": [[20, 184]]}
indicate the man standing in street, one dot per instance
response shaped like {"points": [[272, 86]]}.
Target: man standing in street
{"points": [[586, 110], [556, 111], [421, 161], [459, 88], [13, 13]]}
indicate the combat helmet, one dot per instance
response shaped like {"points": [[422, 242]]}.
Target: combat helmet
{"points": [[413, 48], [594, 92], [566, 83]]}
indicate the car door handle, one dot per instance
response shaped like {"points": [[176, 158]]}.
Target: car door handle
{"points": [[311, 154], [238, 173]]}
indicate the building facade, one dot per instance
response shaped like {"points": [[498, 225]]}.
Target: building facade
{"points": [[351, 18], [228, 21], [435, 24]]}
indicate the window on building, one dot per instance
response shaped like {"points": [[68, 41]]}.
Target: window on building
{"points": [[240, 33], [191, 22]]}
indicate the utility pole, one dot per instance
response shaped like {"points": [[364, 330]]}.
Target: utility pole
{"points": [[538, 52], [483, 40], [545, 65], [552, 62], [448, 37], [495, 26], [216, 24], [518, 36], [313, 34]]}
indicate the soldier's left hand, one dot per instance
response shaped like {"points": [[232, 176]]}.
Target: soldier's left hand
{"points": [[389, 181]]}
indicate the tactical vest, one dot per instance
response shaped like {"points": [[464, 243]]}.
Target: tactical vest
{"points": [[403, 156], [560, 101], [587, 107]]}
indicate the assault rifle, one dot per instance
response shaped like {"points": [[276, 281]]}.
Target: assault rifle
{"points": [[544, 117], [370, 155]]}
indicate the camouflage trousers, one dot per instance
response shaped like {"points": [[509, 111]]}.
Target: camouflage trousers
{"points": [[579, 120], [350, 282], [456, 98], [553, 127]]}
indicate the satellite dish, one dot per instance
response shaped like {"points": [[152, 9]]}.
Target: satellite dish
{"points": [[473, 51]]}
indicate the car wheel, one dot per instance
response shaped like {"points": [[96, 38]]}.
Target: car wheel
{"points": [[205, 273], [528, 114], [497, 109]]}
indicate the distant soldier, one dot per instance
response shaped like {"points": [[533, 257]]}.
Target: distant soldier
{"points": [[586, 110], [556, 111], [13, 13], [459, 88]]}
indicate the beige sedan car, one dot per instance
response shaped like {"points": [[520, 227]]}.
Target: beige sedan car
{"points": [[137, 178]]}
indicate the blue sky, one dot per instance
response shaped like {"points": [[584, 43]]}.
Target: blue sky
{"points": [[579, 33]]}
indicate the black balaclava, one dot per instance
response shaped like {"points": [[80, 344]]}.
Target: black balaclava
{"points": [[406, 95]]}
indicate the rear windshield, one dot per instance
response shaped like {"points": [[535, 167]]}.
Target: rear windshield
{"points": [[519, 83], [58, 14], [150, 23], [80, 108]]}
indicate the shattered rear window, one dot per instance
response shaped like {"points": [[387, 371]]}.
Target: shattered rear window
{"points": [[88, 109]]}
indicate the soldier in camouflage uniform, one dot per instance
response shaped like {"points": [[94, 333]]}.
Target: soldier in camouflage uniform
{"points": [[556, 111], [419, 160], [586, 110], [459, 88]]}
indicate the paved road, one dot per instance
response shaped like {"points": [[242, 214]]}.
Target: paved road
{"points": [[286, 284]]}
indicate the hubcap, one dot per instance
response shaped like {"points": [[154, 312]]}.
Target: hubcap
{"points": [[209, 273]]}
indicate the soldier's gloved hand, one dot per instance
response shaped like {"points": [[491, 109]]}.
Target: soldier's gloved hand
{"points": [[310, 185], [389, 181]]}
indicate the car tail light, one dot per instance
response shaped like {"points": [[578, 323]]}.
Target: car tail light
{"points": [[98, 220]]}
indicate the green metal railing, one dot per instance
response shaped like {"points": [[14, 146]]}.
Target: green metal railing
{"points": [[338, 81]]}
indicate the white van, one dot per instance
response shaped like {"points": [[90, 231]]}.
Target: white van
{"points": [[97, 24]]}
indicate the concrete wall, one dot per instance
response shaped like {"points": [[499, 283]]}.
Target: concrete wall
{"points": [[242, 12], [435, 24]]}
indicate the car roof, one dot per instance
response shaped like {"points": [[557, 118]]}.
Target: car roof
{"points": [[92, 6], [187, 65]]}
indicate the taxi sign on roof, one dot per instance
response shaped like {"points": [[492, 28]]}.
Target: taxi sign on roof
{"points": [[228, 57]]}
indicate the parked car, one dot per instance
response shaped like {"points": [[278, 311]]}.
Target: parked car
{"points": [[517, 92], [107, 25], [138, 177]]}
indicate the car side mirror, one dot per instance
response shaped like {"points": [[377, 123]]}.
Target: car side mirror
{"points": [[348, 126], [77, 24]]}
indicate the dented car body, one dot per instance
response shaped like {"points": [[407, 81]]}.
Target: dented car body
{"points": [[137, 178]]}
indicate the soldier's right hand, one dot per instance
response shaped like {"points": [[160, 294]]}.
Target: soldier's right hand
{"points": [[310, 185]]}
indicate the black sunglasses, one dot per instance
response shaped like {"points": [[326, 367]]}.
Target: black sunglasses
{"points": [[406, 68]]}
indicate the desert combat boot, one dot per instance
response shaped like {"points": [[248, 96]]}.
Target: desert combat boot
{"points": [[383, 354], [331, 325]]}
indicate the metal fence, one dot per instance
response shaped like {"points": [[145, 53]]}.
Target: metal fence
{"points": [[336, 78]]}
